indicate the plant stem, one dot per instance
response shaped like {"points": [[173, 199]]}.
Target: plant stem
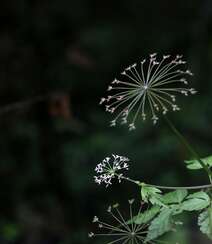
{"points": [[189, 147], [182, 187], [166, 187]]}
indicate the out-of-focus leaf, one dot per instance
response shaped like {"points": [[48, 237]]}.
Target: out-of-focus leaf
{"points": [[205, 222], [194, 164]]}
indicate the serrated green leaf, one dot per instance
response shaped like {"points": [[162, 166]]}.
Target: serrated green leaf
{"points": [[175, 196], [194, 164], [147, 191], [151, 194], [160, 225], [147, 215], [199, 194], [194, 204], [205, 222], [157, 200], [196, 201]]}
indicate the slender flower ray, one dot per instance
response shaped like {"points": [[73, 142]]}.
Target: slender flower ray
{"points": [[126, 240], [139, 77], [120, 222], [134, 103], [124, 221], [124, 98], [150, 67], [127, 110], [115, 81], [131, 215], [122, 238], [155, 82], [125, 83], [162, 99], [128, 232], [130, 77], [110, 227], [160, 75], [143, 107], [165, 70], [139, 227], [168, 80], [173, 97], [163, 106], [134, 72], [138, 109], [142, 72], [142, 226], [157, 69], [151, 103]]}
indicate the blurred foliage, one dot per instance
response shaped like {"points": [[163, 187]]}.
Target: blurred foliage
{"points": [[67, 52]]}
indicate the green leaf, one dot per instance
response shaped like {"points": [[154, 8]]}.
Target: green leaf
{"points": [[205, 222], [199, 194], [147, 215], [147, 191], [176, 209], [160, 225], [151, 194], [194, 164], [196, 201], [157, 200], [175, 196]]}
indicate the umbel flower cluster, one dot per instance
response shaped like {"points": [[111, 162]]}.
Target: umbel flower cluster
{"points": [[152, 83], [123, 231], [107, 169]]}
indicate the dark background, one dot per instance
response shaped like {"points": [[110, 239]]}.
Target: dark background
{"points": [[56, 60]]}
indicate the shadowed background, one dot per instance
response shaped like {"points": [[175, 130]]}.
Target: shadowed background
{"points": [[56, 61]]}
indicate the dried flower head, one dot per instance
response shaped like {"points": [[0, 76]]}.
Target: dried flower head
{"points": [[108, 168], [154, 83], [124, 231]]}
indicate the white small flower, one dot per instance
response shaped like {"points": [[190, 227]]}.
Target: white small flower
{"points": [[102, 100], [108, 168], [95, 219], [113, 123], [132, 126], [91, 234]]}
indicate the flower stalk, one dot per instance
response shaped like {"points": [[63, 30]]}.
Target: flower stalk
{"points": [[207, 186], [189, 147]]}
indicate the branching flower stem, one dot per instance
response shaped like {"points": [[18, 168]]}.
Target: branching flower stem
{"points": [[189, 147], [165, 187]]}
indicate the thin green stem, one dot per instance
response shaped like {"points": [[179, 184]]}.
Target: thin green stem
{"points": [[182, 187], [189, 147], [165, 187]]}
